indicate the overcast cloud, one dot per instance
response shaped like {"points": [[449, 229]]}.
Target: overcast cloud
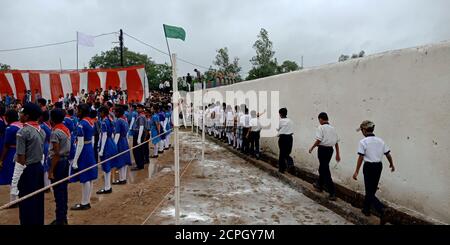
{"points": [[320, 30]]}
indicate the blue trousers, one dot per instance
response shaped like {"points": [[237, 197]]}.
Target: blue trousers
{"points": [[31, 210], [60, 190]]}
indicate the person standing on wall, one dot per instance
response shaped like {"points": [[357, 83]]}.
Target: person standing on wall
{"points": [[326, 139], [189, 79], [371, 150], [285, 141]]}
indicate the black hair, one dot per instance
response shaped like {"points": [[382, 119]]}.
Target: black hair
{"points": [[119, 111], [246, 110], [370, 130], [42, 101], [11, 116], [283, 112], [59, 105], [323, 116], [93, 114], [45, 116], [33, 111], [103, 109], [57, 115], [84, 110], [70, 112]]}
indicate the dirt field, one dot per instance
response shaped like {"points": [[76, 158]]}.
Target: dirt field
{"points": [[225, 190]]}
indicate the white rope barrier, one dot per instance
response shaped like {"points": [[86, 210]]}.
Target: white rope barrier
{"points": [[7, 205]]}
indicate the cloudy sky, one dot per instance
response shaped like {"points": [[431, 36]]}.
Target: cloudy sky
{"points": [[319, 30]]}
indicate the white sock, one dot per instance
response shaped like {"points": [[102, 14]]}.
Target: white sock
{"points": [[107, 178], [46, 180], [12, 197], [86, 193], [161, 145], [123, 173], [155, 150]]}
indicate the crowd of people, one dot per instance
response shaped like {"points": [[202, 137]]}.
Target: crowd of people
{"points": [[42, 143]]}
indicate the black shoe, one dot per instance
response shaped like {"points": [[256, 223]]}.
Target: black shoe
{"points": [[103, 191], [136, 169], [119, 182], [156, 156], [282, 171], [56, 222], [13, 206], [332, 198], [79, 207], [317, 187], [365, 212], [160, 152], [166, 148]]}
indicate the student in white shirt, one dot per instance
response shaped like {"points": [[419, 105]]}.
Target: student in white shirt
{"points": [[254, 134], [371, 150], [245, 122], [326, 139], [285, 141], [229, 118], [238, 125]]}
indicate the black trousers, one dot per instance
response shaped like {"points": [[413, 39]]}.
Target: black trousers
{"points": [[254, 142], [60, 190], [325, 154], [31, 210], [146, 149], [372, 174], [285, 145], [138, 153], [245, 140]]}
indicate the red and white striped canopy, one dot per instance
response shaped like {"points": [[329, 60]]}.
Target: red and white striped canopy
{"points": [[54, 84]]}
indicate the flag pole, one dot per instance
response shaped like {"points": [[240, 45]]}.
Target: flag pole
{"points": [[168, 48], [77, 50], [176, 100]]}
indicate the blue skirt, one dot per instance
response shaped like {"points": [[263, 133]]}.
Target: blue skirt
{"points": [[124, 159], [7, 171], [109, 151], [154, 134], [86, 160]]}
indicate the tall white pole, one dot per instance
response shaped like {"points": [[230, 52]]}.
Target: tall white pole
{"points": [[176, 140], [203, 126], [77, 51]]}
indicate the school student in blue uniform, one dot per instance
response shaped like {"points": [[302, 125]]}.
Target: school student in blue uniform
{"points": [[84, 157], [108, 148], [155, 129], [9, 150], [71, 122], [3, 125], [59, 151], [169, 126], [120, 138], [45, 125], [162, 121], [28, 174]]}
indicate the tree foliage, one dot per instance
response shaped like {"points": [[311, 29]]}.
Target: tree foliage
{"points": [[4, 67], [264, 63], [225, 67]]}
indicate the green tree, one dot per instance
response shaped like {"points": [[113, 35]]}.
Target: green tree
{"points": [[222, 61], [156, 73], [288, 66], [264, 63], [4, 67]]}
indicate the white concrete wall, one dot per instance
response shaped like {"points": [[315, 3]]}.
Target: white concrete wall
{"points": [[405, 92]]}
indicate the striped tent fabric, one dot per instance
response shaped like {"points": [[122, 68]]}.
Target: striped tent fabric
{"points": [[54, 84]]}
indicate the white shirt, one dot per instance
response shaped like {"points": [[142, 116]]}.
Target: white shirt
{"points": [[372, 148], [254, 123], [327, 135], [245, 121], [230, 119], [286, 126]]}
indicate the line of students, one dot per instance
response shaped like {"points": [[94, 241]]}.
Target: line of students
{"points": [[236, 127]]}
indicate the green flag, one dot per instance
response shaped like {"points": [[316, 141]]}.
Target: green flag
{"points": [[174, 32]]}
